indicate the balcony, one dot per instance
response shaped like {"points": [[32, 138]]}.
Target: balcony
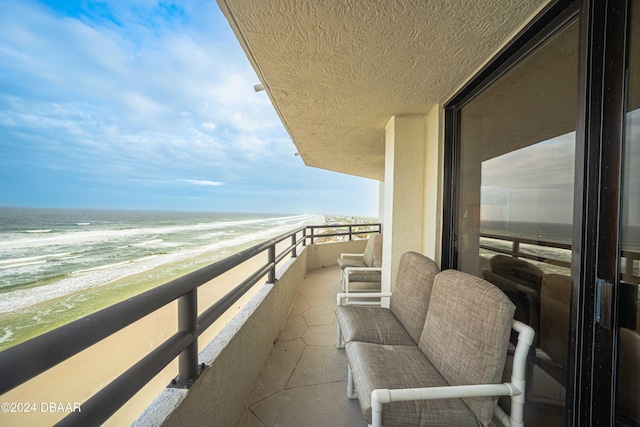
{"points": [[274, 362]]}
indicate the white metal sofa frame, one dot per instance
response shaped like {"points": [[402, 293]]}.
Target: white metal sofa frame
{"points": [[515, 388]]}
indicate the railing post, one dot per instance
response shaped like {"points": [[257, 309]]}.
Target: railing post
{"points": [[350, 233], [312, 235], [188, 321], [304, 237], [294, 252], [629, 270], [272, 261], [515, 248]]}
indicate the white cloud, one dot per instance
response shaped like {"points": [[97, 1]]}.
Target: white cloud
{"points": [[204, 182], [534, 183], [146, 91]]}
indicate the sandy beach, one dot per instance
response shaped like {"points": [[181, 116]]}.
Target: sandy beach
{"points": [[75, 380]]}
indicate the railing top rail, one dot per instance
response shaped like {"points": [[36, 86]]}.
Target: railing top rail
{"points": [[377, 224], [537, 242]]}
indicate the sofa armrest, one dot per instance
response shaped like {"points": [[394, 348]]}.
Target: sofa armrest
{"points": [[350, 256], [345, 295], [355, 269]]}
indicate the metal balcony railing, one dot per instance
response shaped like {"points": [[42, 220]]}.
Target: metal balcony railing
{"points": [[514, 248], [29, 359]]}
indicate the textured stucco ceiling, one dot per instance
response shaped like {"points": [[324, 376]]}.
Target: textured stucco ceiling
{"points": [[337, 70]]}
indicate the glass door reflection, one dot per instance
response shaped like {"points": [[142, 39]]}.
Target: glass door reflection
{"points": [[628, 375]]}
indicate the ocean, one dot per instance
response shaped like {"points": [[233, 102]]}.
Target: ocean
{"points": [[57, 265]]}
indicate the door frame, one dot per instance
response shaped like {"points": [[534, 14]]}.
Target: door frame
{"points": [[597, 199]]}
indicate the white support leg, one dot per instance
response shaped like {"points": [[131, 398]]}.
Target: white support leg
{"points": [[351, 392]]}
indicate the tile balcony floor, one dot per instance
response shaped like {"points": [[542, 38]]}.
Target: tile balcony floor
{"points": [[304, 381]]}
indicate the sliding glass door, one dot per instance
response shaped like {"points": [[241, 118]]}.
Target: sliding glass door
{"points": [[542, 189], [515, 204]]}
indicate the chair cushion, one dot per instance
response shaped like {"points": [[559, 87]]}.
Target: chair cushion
{"points": [[629, 382], [518, 270], [381, 366], [372, 256], [412, 291], [466, 334], [365, 276], [375, 325], [344, 263], [555, 297]]}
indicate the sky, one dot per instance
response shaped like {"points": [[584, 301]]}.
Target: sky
{"points": [[516, 188], [147, 105]]}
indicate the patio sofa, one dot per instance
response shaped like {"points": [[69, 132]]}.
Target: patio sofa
{"points": [[451, 375]]}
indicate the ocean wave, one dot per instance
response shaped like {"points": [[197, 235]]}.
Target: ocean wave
{"points": [[101, 267], [17, 262], [147, 243], [106, 235], [22, 264], [102, 275], [6, 334], [38, 231]]}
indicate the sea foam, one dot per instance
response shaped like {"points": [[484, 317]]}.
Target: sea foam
{"points": [[83, 279]]}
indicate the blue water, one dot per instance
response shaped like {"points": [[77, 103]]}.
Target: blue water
{"points": [[58, 264]]}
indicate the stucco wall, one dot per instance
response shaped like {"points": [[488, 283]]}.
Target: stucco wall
{"points": [[234, 359], [433, 178], [404, 192]]}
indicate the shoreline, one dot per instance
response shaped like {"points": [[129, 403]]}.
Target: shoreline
{"points": [[68, 308], [104, 361]]}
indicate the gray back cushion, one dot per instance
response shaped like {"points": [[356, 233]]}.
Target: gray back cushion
{"points": [[373, 251], [412, 291], [466, 334]]}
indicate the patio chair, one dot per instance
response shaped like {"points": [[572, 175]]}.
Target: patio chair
{"points": [[363, 272], [520, 280], [555, 296], [629, 381], [402, 322]]}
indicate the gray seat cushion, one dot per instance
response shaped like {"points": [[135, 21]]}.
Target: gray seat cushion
{"points": [[365, 276], [395, 367], [344, 263], [371, 324]]}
